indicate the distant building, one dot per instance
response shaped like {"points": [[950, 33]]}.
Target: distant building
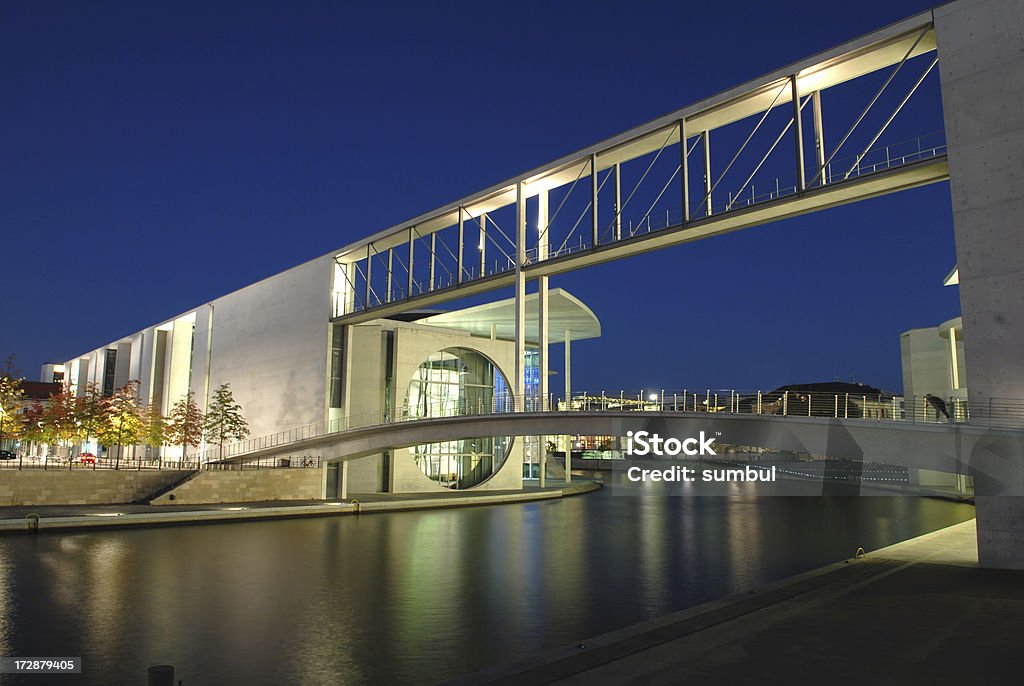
{"points": [[933, 361], [52, 372], [32, 392]]}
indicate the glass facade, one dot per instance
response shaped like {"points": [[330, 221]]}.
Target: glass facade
{"points": [[452, 382]]}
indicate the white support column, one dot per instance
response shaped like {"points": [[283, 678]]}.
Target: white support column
{"points": [[595, 237], [391, 253], [819, 137], [483, 244], [706, 137], [520, 380], [461, 241], [542, 327], [568, 359], [798, 130], [954, 372], [433, 258], [618, 202], [684, 172], [369, 263], [343, 480], [412, 250], [568, 397]]}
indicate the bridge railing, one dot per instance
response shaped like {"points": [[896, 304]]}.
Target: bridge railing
{"points": [[853, 404], [878, 159]]}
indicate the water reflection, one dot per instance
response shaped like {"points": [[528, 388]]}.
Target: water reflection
{"points": [[412, 597]]}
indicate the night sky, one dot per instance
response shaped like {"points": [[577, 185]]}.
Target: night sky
{"points": [[158, 155]]}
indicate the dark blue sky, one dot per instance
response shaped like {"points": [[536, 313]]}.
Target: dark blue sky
{"points": [[156, 156]]}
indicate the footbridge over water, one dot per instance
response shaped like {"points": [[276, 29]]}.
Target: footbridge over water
{"points": [[983, 452], [665, 183]]}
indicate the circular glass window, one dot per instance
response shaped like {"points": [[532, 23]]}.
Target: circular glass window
{"points": [[453, 382]]}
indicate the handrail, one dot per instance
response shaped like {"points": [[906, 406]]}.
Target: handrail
{"points": [[877, 159]]}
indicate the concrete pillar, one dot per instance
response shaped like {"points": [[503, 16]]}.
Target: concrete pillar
{"points": [[981, 60], [706, 138], [595, 229], [819, 138], [343, 480], [568, 397], [461, 243], [433, 258], [520, 380], [798, 133], [542, 327], [483, 245]]}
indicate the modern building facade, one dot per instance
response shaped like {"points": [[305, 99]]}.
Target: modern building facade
{"points": [[290, 366]]}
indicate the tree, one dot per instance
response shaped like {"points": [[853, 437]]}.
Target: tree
{"points": [[91, 413], [224, 420], [153, 431], [11, 393], [122, 424], [32, 427], [60, 422], [185, 424]]}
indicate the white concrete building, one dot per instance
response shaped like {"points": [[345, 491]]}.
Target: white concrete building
{"points": [[289, 366], [933, 360]]}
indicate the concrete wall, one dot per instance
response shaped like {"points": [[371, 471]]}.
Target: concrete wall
{"points": [[981, 67], [270, 342], [81, 486], [246, 486], [414, 343], [925, 363]]}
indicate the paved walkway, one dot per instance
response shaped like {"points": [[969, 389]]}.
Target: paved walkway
{"points": [[919, 612], [62, 517]]}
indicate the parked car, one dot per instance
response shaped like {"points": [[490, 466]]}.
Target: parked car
{"points": [[7, 455], [87, 458]]}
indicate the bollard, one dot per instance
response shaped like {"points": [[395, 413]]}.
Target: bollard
{"points": [[33, 522], [160, 675]]}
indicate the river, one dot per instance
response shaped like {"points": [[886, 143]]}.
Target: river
{"points": [[411, 597]]}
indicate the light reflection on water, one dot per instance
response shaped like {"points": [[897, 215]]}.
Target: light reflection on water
{"points": [[416, 596]]}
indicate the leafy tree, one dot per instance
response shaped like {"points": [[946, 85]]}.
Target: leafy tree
{"points": [[185, 424], [11, 393], [60, 422], [91, 413], [153, 431], [122, 423], [224, 420], [32, 427]]}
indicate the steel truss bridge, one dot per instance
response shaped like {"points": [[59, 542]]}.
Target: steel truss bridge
{"points": [[751, 155], [461, 249]]}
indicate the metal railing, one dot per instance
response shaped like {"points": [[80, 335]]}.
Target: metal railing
{"points": [[852, 405], [61, 464], [878, 159]]}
